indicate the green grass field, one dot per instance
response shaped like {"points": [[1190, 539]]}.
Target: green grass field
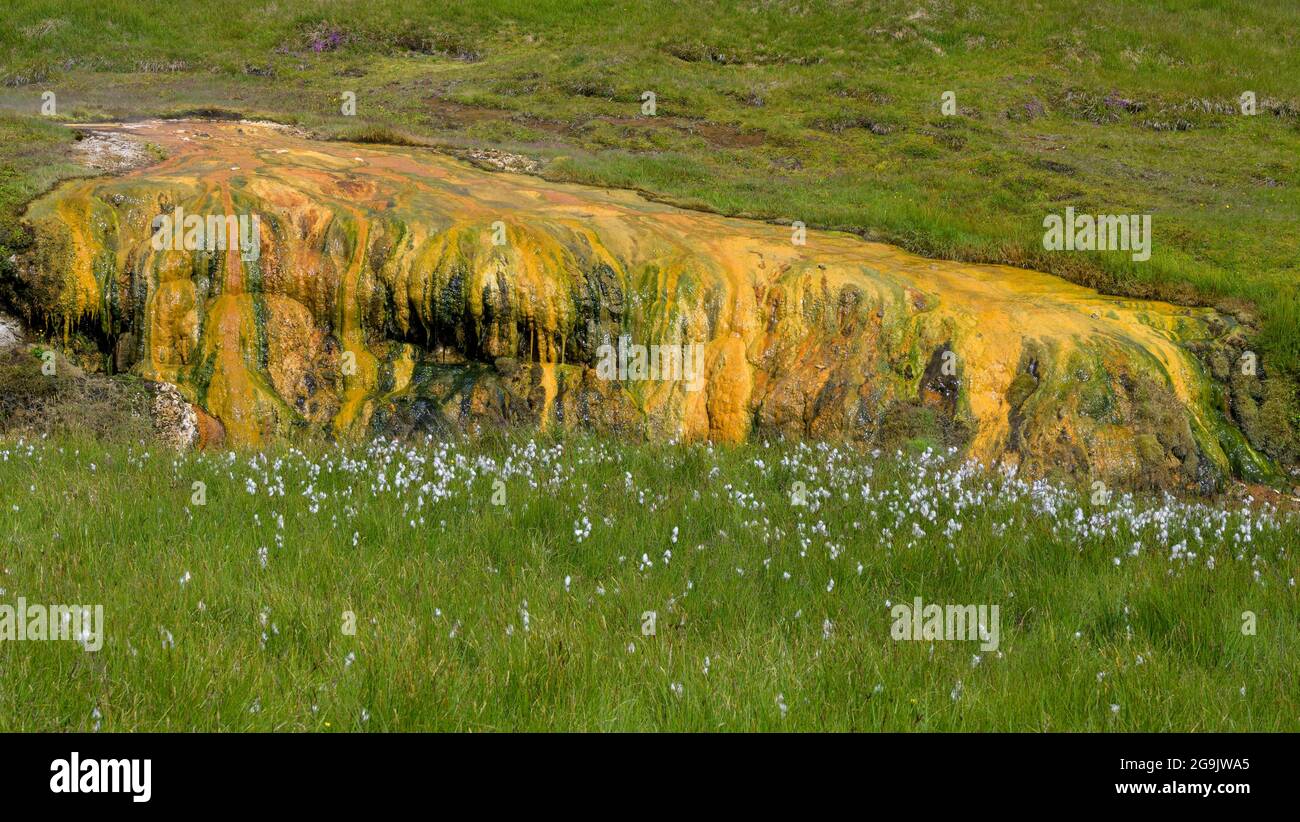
{"points": [[1125, 614], [472, 615]]}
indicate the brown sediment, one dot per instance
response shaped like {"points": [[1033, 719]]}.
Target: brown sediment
{"points": [[381, 301]]}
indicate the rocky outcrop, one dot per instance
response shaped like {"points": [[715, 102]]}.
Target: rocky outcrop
{"points": [[398, 290], [175, 420], [11, 332]]}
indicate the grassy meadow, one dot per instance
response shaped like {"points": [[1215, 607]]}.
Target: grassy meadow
{"points": [[501, 585]]}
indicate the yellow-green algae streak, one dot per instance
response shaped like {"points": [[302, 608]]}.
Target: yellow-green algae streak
{"points": [[381, 303]]}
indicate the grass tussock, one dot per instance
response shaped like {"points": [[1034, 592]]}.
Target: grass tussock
{"points": [[68, 402], [383, 135]]}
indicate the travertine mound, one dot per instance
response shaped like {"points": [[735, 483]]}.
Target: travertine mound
{"points": [[396, 289]]}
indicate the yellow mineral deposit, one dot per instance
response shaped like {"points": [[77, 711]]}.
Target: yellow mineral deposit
{"points": [[400, 289]]}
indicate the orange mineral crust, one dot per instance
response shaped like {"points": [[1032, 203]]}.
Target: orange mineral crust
{"points": [[393, 290]]}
